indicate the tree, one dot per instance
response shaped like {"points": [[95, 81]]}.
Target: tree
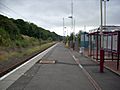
{"points": [[19, 27], [71, 37], [79, 37], [10, 28], [4, 38]]}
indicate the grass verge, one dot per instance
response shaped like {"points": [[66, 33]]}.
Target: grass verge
{"points": [[24, 51], [16, 58]]}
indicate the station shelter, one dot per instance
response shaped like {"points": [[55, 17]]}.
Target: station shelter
{"points": [[84, 41], [111, 44]]}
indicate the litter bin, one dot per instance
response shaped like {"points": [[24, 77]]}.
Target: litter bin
{"points": [[81, 50]]}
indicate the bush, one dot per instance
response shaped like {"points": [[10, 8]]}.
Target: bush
{"points": [[4, 38], [50, 39], [10, 28], [21, 43]]}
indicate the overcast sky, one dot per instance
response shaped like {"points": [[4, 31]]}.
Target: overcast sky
{"points": [[49, 13]]}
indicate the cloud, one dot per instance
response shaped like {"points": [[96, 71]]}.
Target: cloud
{"points": [[49, 13]]}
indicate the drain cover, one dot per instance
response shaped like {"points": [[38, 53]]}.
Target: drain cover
{"points": [[47, 62]]}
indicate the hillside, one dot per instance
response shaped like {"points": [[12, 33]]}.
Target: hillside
{"points": [[19, 38], [11, 32]]}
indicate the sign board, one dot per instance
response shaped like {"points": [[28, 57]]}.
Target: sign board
{"points": [[109, 42], [82, 37], [115, 42], [86, 37], [105, 42]]}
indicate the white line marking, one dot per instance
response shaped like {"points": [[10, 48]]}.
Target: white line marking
{"points": [[80, 66], [6, 75], [14, 70], [74, 58], [94, 83]]}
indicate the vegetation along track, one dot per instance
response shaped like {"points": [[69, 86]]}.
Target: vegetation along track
{"points": [[17, 62]]}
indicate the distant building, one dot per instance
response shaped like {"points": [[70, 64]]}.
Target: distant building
{"points": [[84, 40]]}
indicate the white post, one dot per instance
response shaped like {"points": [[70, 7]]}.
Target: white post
{"points": [[101, 49], [101, 29], [105, 13], [63, 30]]}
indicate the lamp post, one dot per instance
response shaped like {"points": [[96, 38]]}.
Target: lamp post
{"points": [[63, 30], [105, 12], [74, 26], [101, 33], [72, 23], [101, 26]]}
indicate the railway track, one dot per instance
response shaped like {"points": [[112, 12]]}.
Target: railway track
{"points": [[14, 63]]}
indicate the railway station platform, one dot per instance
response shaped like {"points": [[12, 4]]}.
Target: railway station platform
{"points": [[62, 69]]}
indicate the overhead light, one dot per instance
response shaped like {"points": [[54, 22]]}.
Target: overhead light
{"points": [[70, 17], [105, 0]]}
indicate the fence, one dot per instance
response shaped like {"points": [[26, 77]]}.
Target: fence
{"points": [[111, 46]]}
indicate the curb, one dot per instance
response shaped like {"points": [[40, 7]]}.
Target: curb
{"points": [[104, 65], [112, 70]]}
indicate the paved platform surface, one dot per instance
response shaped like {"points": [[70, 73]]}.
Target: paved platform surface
{"points": [[66, 74], [11, 77], [112, 65], [107, 80]]}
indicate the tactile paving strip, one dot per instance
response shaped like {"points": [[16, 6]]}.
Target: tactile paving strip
{"points": [[47, 61]]}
